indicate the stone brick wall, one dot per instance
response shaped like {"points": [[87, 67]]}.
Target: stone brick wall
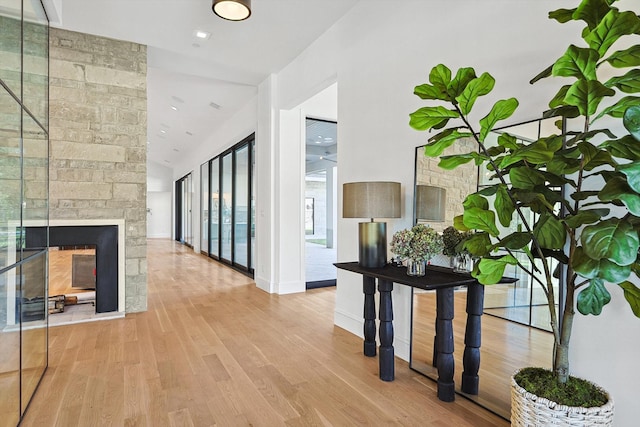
{"points": [[459, 182], [98, 134]]}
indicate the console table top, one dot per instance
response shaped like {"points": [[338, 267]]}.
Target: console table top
{"points": [[436, 277]]}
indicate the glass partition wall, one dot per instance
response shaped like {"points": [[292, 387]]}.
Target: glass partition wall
{"points": [[24, 171], [228, 206]]}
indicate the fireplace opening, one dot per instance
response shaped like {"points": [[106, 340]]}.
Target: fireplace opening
{"points": [[72, 278], [102, 242]]}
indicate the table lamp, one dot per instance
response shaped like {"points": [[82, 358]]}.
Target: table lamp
{"points": [[430, 203], [375, 199]]}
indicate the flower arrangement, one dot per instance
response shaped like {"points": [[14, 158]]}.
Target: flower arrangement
{"points": [[452, 240], [418, 243]]}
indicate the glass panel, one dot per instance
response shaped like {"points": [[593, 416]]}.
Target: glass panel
{"points": [[253, 205], [35, 61], [241, 206], [215, 206], [9, 350], [204, 207], [226, 206], [10, 185], [35, 173], [10, 44], [34, 324]]}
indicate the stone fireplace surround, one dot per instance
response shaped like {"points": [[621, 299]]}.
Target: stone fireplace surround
{"points": [[108, 237]]}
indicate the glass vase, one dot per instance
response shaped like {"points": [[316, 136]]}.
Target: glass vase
{"points": [[462, 263], [416, 267]]}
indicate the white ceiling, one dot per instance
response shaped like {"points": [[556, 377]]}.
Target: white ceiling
{"points": [[206, 80]]}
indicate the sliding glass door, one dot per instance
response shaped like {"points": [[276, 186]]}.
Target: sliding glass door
{"points": [[231, 208]]}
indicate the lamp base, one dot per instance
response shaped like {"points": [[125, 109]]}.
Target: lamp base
{"points": [[372, 237]]}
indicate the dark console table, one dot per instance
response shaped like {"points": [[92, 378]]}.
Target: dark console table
{"points": [[443, 281]]}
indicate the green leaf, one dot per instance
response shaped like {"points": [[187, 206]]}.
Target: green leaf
{"points": [[515, 241], [440, 77], [427, 91], [455, 160], [568, 111], [631, 121], [501, 110], [443, 140], [614, 25], [583, 195], [632, 171], [460, 81], [549, 232], [475, 201], [591, 12], [508, 141], [558, 99], [585, 216], [542, 75], [586, 95], [613, 239], [562, 15], [525, 178], [617, 188], [480, 219], [599, 269], [626, 147], [618, 109], [477, 87], [427, 117], [632, 295], [491, 270], [594, 157], [504, 206], [593, 298], [458, 224], [538, 152], [479, 244], [625, 58], [577, 62], [629, 83]]}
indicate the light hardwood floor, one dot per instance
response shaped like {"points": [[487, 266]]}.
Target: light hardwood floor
{"points": [[213, 350]]}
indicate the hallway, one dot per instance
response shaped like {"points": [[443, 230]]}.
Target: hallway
{"points": [[212, 349]]}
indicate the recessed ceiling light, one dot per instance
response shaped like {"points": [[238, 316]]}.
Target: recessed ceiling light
{"points": [[189, 133], [214, 105], [163, 131], [174, 108], [201, 34], [318, 142], [176, 150]]}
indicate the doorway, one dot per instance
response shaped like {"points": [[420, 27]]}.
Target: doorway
{"points": [[320, 204], [184, 198]]}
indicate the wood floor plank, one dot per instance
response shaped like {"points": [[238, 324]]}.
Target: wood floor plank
{"points": [[213, 350]]}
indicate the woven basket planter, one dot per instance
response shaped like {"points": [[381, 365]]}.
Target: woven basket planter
{"points": [[529, 410]]}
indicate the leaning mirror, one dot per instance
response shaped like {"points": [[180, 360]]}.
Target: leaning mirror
{"points": [[515, 331]]}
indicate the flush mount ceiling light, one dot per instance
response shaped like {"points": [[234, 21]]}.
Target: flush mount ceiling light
{"points": [[232, 10]]}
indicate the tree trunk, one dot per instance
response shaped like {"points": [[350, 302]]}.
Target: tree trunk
{"points": [[561, 362]]}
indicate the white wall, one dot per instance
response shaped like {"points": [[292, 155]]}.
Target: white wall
{"points": [[159, 200], [377, 55]]}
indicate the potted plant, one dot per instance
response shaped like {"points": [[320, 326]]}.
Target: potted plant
{"points": [[576, 193], [453, 241], [416, 245]]}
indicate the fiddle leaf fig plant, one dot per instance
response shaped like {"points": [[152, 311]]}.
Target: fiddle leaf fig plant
{"points": [[569, 201]]}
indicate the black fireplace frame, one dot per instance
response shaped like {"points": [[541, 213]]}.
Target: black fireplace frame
{"points": [[105, 239]]}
